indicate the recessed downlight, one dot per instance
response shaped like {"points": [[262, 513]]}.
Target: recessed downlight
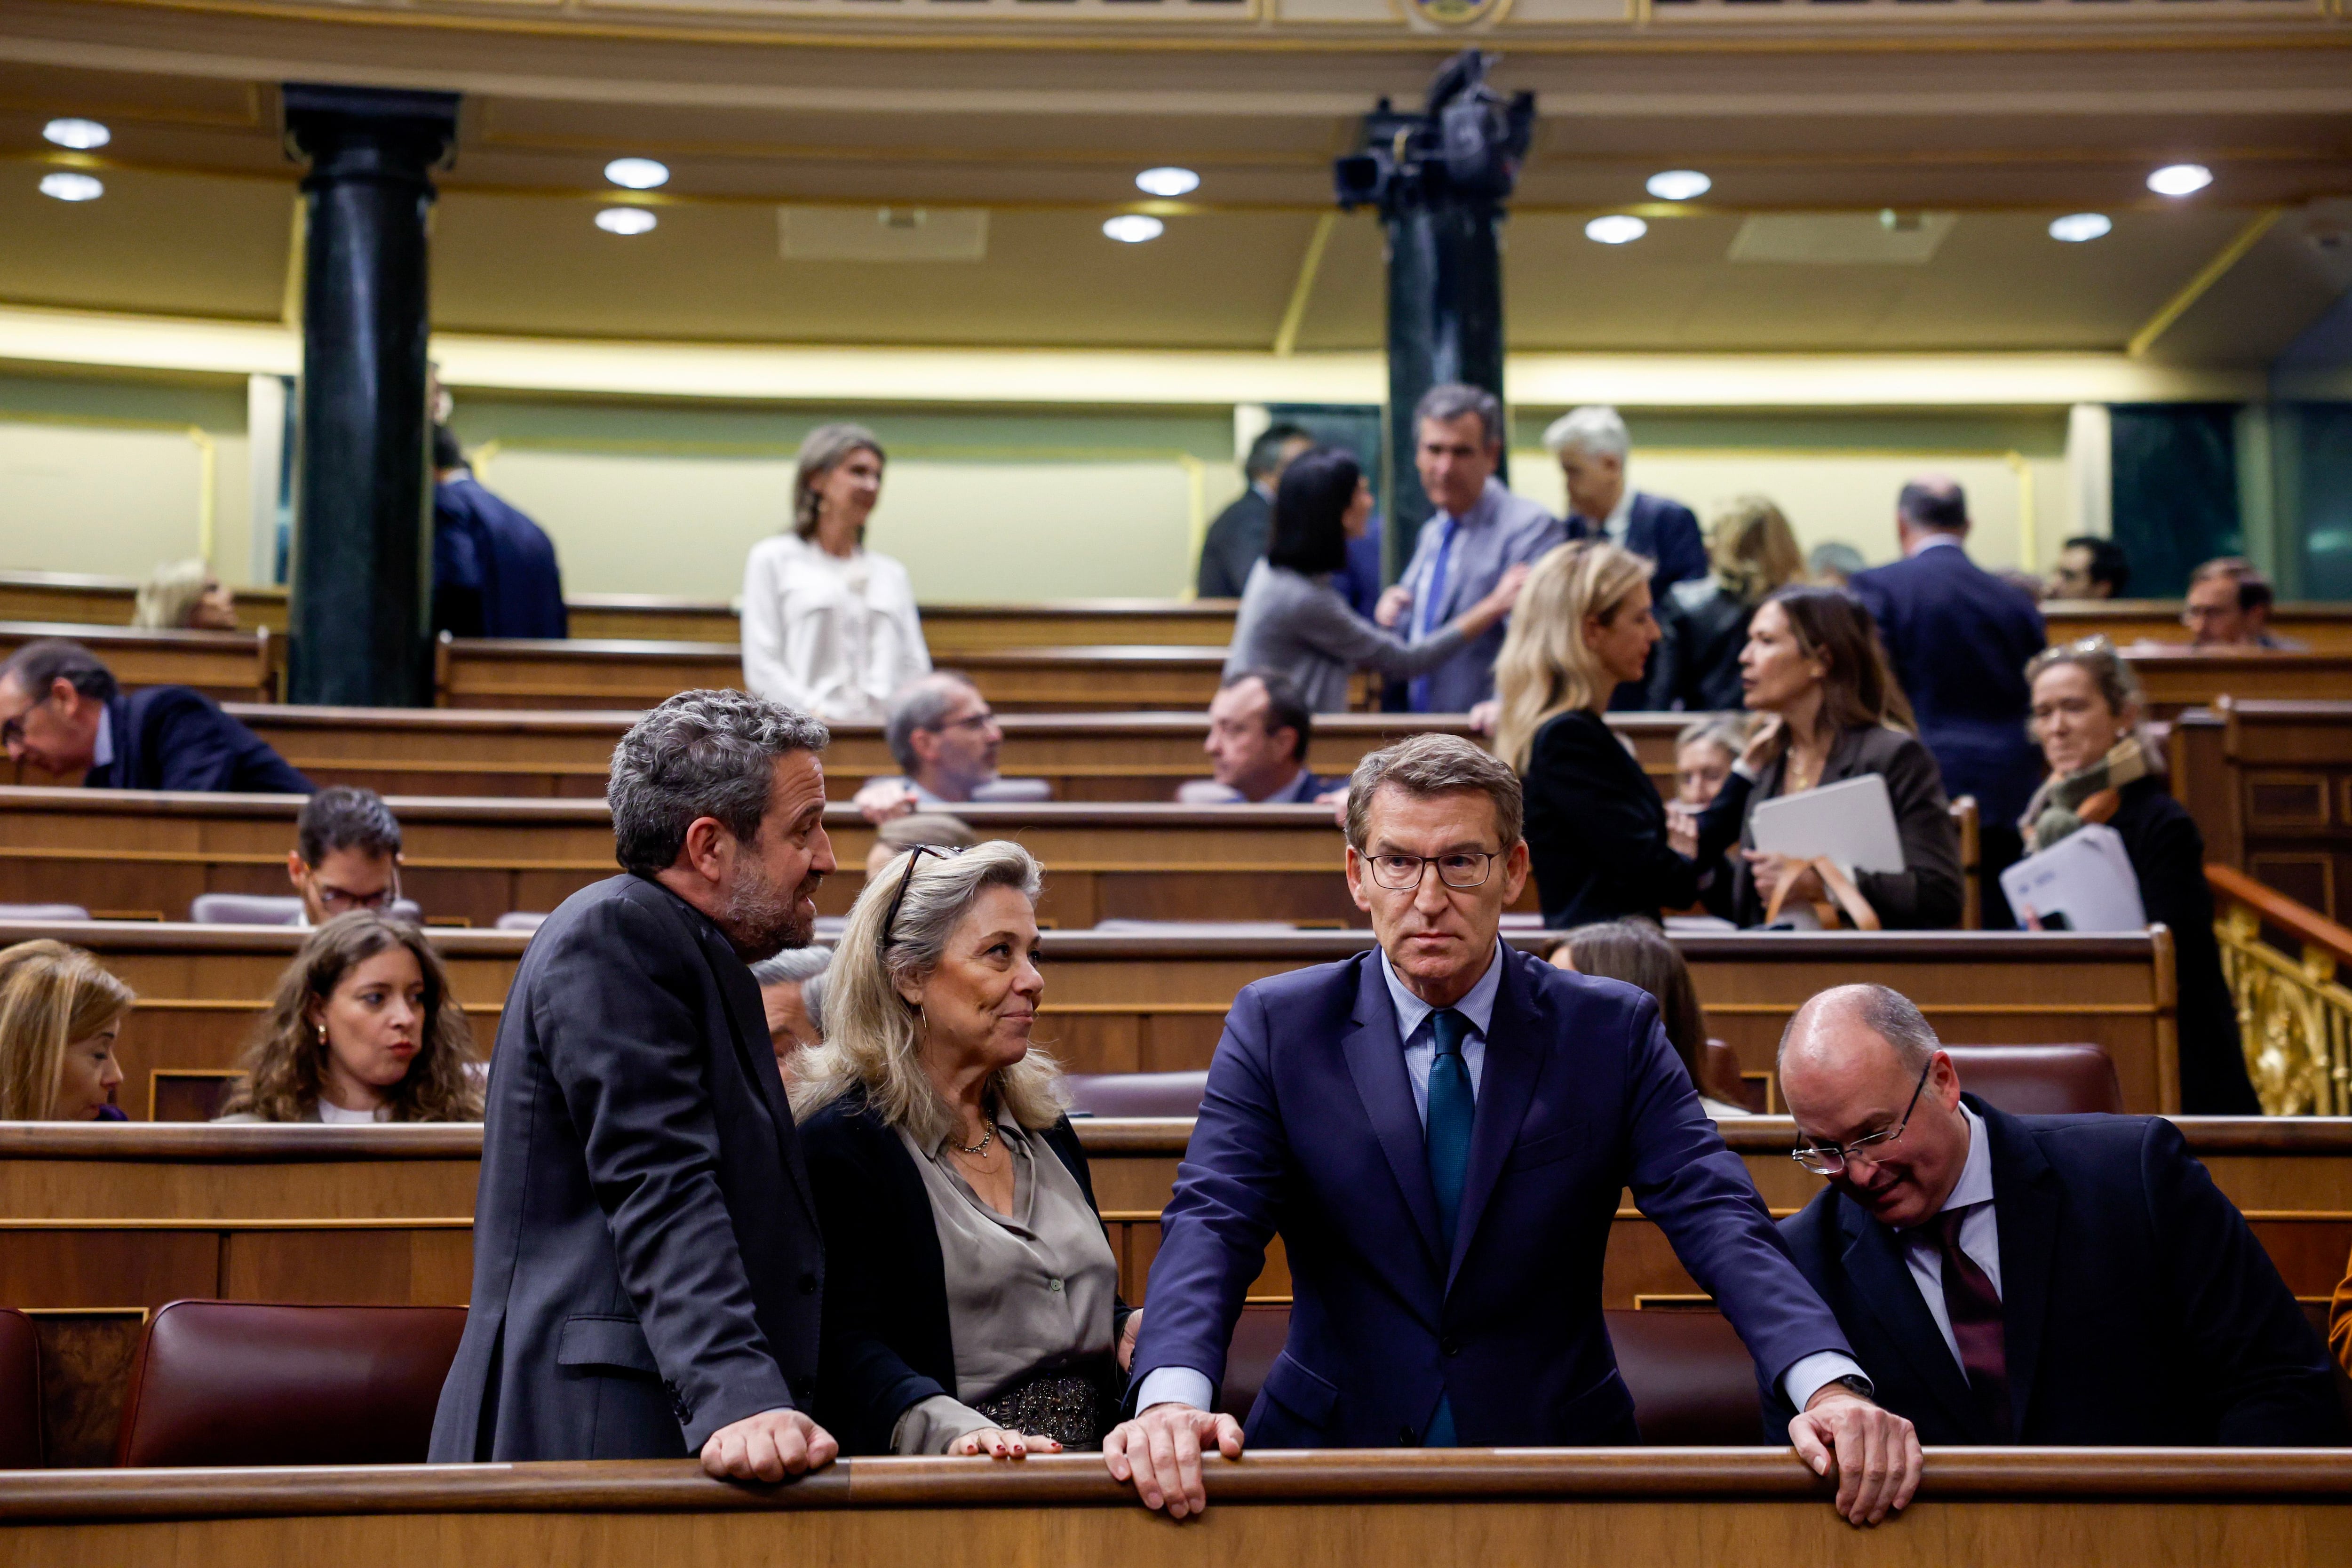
{"points": [[69, 186], [1133, 228], [1615, 228], [1168, 181], [626, 220], [1680, 185], [2181, 179], [81, 135], [2076, 227], [638, 174]]}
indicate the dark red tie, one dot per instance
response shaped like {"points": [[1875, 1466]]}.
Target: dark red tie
{"points": [[1974, 1307]]}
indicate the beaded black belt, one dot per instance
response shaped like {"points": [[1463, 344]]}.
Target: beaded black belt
{"points": [[1063, 1405]]}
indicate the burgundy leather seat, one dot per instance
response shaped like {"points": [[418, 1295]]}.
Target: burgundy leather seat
{"points": [[1136, 1093], [1691, 1378], [2040, 1081], [246, 1383], [20, 1392]]}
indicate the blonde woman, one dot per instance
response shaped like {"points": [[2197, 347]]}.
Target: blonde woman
{"points": [[60, 1011], [362, 1028], [1704, 624], [971, 1296], [829, 627], [184, 596], [1596, 832]]}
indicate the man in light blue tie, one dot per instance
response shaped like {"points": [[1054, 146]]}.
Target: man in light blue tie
{"points": [[1479, 530], [1439, 1129]]}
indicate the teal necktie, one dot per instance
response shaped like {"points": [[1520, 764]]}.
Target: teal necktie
{"points": [[1445, 1144]]}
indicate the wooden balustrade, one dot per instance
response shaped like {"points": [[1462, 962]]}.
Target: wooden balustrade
{"points": [[2270, 785], [228, 666], [2284, 964]]}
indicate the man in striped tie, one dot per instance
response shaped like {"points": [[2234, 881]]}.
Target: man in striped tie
{"points": [[1439, 1129], [2037, 1279]]}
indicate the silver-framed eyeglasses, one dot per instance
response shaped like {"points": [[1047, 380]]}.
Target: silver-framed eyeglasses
{"points": [[1460, 868], [1829, 1159]]}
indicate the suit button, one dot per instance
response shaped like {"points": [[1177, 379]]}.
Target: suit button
{"points": [[808, 1284], [1406, 1438], [1449, 1345]]}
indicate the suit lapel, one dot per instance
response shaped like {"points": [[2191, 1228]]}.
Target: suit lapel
{"points": [[1515, 1049], [1883, 1285], [1375, 1056], [2026, 1199]]}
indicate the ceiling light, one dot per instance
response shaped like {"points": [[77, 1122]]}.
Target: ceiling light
{"points": [[2076, 227], [81, 135], [625, 220], [1168, 182], [72, 188], [638, 174], [2181, 179], [1680, 185], [1134, 228], [1617, 228]]}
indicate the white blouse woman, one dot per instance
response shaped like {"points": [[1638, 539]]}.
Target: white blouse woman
{"points": [[829, 627]]}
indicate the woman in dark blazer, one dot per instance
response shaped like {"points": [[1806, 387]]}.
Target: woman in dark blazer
{"points": [[1813, 662], [1598, 836], [1703, 625], [971, 1295], [2086, 716]]}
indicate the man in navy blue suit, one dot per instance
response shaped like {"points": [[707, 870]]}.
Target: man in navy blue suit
{"points": [[494, 570], [1959, 639], [2035, 1279], [61, 711], [1440, 1129], [1591, 445]]}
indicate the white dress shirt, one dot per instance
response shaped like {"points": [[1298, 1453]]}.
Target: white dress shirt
{"points": [[101, 746], [1939, 539], [1980, 1235], [1619, 520], [829, 637]]}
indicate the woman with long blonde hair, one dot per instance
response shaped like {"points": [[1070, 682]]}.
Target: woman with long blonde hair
{"points": [[971, 1296], [1703, 624], [1597, 831], [363, 1027], [60, 1011]]}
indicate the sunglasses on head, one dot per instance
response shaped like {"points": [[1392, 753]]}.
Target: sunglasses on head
{"points": [[915, 852]]}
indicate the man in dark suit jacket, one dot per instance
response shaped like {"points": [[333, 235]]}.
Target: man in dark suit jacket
{"points": [[1440, 1129], [1959, 639], [1592, 445], [647, 1271], [494, 570], [2035, 1279], [1236, 541], [61, 711]]}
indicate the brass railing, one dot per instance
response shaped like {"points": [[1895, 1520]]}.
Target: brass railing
{"points": [[2294, 1013]]}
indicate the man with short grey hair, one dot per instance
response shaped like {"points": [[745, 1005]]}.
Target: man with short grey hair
{"points": [[784, 984], [1439, 1129], [1591, 445], [647, 1269], [2036, 1280], [945, 736], [1478, 532]]}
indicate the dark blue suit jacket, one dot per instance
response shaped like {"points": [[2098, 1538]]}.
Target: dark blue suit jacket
{"points": [[2138, 1308], [1959, 637], [1307, 1128], [494, 570], [1664, 530], [171, 737]]}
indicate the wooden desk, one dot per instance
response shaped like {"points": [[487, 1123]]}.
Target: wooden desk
{"points": [[2323, 627], [1157, 1004], [2175, 682], [228, 666], [2270, 785], [514, 672], [1368, 1508]]}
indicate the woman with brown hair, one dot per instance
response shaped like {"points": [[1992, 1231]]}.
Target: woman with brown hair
{"points": [[362, 1028], [1703, 625], [1638, 953], [1597, 833], [60, 1014], [829, 627], [1814, 664]]}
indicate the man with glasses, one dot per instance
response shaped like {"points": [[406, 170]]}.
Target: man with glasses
{"points": [[1439, 1129], [346, 854], [62, 712], [2032, 1279], [942, 732]]}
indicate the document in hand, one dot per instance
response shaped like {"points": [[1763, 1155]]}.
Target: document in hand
{"points": [[2082, 882], [1852, 822]]}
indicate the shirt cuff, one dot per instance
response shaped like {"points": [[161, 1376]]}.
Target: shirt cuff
{"points": [[1744, 771], [1176, 1385], [1816, 1372]]}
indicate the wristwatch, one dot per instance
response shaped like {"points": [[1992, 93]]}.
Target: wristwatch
{"points": [[1857, 1382]]}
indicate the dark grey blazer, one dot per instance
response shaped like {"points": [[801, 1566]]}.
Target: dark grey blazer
{"points": [[1927, 893], [646, 1262]]}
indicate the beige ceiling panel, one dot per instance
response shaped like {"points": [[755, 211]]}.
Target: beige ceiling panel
{"points": [[175, 244]]}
